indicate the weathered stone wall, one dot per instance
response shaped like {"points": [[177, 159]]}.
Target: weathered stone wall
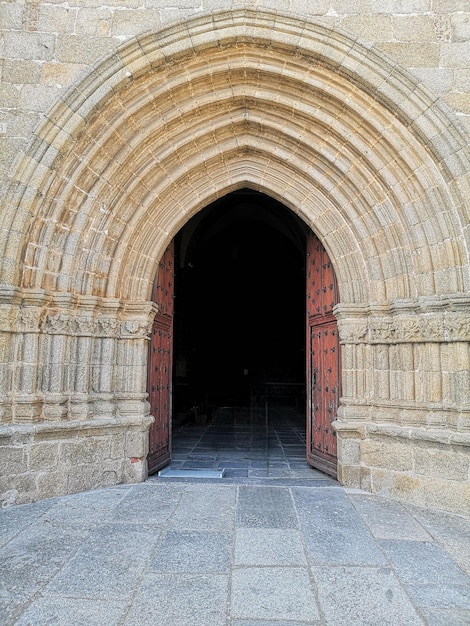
{"points": [[117, 130]]}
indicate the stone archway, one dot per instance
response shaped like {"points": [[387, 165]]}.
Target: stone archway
{"points": [[337, 133]]}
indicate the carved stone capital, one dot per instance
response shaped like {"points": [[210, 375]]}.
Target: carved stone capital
{"points": [[136, 328]]}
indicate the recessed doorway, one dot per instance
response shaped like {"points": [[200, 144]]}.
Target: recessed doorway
{"points": [[239, 360], [251, 342]]}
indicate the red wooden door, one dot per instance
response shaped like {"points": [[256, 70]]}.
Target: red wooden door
{"points": [[161, 365], [323, 358]]}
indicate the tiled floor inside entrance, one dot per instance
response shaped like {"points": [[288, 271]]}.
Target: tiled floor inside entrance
{"points": [[246, 443]]}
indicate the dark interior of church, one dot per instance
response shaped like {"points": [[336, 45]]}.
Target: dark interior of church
{"points": [[240, 305]]}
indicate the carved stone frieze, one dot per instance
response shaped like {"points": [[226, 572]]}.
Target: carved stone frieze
{"points": [[406, 322], [404, 329], [457, 325], [38, 311], [82, 326]]}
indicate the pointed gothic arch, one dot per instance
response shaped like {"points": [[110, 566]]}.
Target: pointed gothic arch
{"points": [[173, 120]]}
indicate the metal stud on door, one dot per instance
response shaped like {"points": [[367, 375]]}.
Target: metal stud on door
{"points": [[323, 358], [160, 365]]}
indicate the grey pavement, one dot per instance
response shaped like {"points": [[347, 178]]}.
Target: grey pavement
{"points": [[277, 544]]}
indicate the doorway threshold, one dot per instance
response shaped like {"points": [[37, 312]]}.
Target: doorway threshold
{"points": [[191, 473]]}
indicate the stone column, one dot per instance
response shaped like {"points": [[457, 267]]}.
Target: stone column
{"points": [[408, 399], [74, 406]]}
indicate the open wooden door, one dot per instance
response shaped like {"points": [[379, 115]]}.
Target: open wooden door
{"points": [[160, 365], [323, 358]]}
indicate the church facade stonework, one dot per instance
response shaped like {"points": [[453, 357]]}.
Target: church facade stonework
{"points": [[122, 120]]}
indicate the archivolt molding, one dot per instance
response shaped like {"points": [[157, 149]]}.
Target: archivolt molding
{"points": [[172, 121]]}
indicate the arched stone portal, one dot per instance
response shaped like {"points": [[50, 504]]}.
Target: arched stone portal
{"points": [[346, 139]]}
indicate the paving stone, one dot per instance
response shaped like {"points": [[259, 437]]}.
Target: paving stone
{"points": [[88, 507], [150, 502], [388, 520], [278, 464], [202, 457], [232, 464], [180, 600], [258, 464], [273, 473], [333, 531], [268, 547], [423, 563], [443, 595], [193, 551], [273, 593], [363, 596], [451, 531], [109, 563], [12, 605], [31, 559], [447, 617], [198, 464], [309, 472], [206, 507], [234, 473], [265, 507], [271, 622], [14, 519], [72, 612]]}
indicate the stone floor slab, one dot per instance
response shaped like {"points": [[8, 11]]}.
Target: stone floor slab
{"points": [[268, 547], [263, 622], [334, 533], [452, 532], [440, 596], [109, 563], [273, 594], [265, 507], [31, 559], [447, 617], [87, 507], [86, 556], [387, 519], [150, 502], [423, 563], [363, 596], [180, 600], [206, 507], [72, 612], [14, 519], [193, 551]]}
